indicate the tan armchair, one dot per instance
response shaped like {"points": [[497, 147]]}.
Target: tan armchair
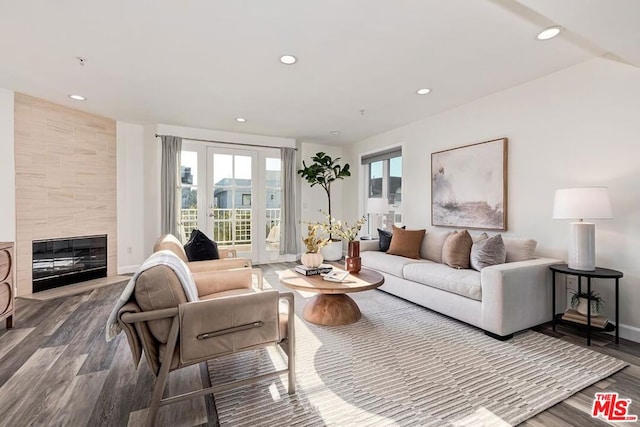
{"points": [[231, 316], [228, 257]]}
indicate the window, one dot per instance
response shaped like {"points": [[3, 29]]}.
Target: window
{"points": [[189, 192], [375, 179], [384, 181]]}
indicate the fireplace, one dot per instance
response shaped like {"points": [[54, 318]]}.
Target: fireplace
{"points": [[59, 262]]}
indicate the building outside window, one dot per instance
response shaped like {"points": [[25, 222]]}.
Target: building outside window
{"points": [[189, 191]]}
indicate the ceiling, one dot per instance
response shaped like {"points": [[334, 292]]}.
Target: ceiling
{"points": [[203, 63]]}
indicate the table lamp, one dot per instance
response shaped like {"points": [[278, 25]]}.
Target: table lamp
{"points": [[579, 204], [377, 206]]}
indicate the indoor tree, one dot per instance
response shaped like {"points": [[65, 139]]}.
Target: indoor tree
{"points": [[323, 171]]}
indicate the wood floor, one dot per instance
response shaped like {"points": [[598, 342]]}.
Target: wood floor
{"points": [[56, 369]]}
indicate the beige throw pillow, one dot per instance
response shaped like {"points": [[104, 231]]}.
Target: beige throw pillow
{"points": [[457, 249], [486, 252], [406, 243]]}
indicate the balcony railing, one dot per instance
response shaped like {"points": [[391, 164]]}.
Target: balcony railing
{"points": [[231, 227]]}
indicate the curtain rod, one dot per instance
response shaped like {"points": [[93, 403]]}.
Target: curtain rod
{"points": [[222, 142]]}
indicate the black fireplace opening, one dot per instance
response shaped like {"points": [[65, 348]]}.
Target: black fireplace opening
{"points": [[60, 262]]}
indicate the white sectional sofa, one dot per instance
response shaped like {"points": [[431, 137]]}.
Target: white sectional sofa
{"points": [[500, 299]]}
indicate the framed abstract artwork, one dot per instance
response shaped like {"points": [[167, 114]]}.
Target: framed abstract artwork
{"points": [[469, 186]]}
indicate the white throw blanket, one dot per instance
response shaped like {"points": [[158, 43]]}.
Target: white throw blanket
{"points": [[167, 258]]}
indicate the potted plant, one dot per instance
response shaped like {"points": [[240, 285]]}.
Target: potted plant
{"points": [[579, 302], [323, 171], [313, 243]]}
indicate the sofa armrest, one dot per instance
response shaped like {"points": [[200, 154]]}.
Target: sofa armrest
{"points": [[516, 295], [369, 245], [227, 324], [218, 264]]}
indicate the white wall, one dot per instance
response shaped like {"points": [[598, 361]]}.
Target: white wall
{"points": [[130, 138], [7, 168], [576, 127], [150, 176]]}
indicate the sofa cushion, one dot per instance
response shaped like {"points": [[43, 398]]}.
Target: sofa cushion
{"points": [[216, 281], [463, 282], [519, 249], [385, 263], [488, 251], [457, 249], [406, 242]]}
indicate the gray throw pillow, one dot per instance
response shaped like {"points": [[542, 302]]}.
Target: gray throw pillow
{"points": [[486, 252]]}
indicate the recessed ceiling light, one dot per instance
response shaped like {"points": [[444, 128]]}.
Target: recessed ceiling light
{"points": [[288, 59], [240, 119], [335, 132], [78, 97], [423, 91], [550, 33]]}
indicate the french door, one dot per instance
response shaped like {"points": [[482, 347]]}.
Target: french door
{"points": [[231, 182], [243, 201]]}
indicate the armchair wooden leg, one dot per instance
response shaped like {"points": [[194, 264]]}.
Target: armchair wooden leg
{"points": [[161, 381], [291, 345]]}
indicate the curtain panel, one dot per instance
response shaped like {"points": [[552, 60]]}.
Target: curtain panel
{"points": [[289, 236], [170, 186]]}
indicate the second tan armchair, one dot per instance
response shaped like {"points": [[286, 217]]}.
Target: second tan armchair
{"points": [[228, 257]]}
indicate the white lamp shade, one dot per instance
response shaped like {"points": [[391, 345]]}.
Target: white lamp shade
{"points": [[378, 205], [582, 203]]}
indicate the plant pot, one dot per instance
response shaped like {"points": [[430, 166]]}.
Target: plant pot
{"points": [[353, 262], [582, 307], [332, 251], [311, 259]]}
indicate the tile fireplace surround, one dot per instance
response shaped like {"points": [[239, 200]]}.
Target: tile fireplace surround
{"points": [[65, 179]]}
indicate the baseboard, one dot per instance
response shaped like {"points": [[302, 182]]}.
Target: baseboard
{"points": [[128, 269], [630, 333]]}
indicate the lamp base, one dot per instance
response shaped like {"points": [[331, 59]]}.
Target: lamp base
{"points": [[582, 246]]}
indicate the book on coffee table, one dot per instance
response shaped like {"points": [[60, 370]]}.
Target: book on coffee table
{"points": [[575, 317], [313, 271]]}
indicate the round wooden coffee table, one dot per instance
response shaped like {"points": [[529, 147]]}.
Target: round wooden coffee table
{"points": [[332, 307]]}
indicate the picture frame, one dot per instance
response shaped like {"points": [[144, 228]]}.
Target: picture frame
{"points": [[469, 186]]}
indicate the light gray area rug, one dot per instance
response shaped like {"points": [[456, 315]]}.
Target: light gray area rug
{"points": [[402, 364]]}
